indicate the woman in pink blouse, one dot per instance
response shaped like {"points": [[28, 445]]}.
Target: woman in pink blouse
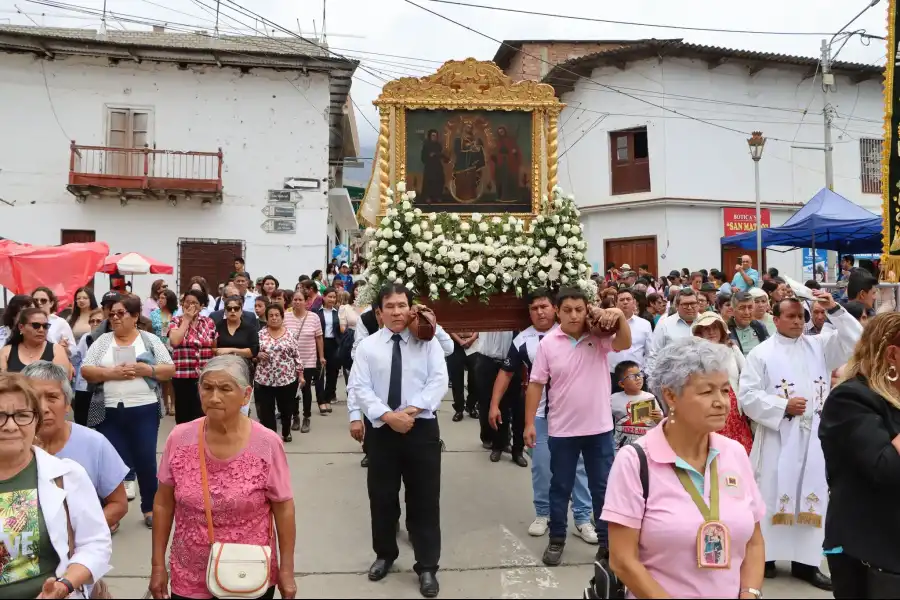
{"points": [[279, 372], [248, 481], [193, 340]]}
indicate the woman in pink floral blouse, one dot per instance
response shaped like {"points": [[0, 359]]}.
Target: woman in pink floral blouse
{"points": [[193, 340], [248, 481], [279, 372]]}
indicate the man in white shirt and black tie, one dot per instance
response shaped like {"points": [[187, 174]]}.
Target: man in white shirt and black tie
{"points": [[398, 382]]}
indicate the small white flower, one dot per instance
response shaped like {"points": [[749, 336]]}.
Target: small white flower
{"points": [[410, 271], [564, 279], [553, 275], [489, 241], [373, 279], [556, 265], [569, 266], [507, 228], [407, 247], [392, 248], [474, 266], [433, 216], [473, 238], [545, 261], [461, 282], [551, 231], [401, 186], [396, 224], [433, 288], [454, 216], [392, 275], [571, 197], [401, 265], [479, 280], [405, 198], [556, 190], [465, 226], [458, 269], [408, 217], [415, 229], [539, 219], [482, 227], [411, 194], [562, 240], [424, 225], [438, 230], [530, 241], [448, 287], [576, 229], [496, 220], [491, 261], [441, 270], [397, 234], [522, 261], [542, 244], [573, 240], [476, 217], [427, 236], [383, 244], [396, 257], [503, 239], [567, 228], [491, 277], [390, 193], [533, 260], [459, 238], [507, 278], [541, 275], [582, 268]]}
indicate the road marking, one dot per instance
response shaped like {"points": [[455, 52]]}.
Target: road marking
{"points": [[526, 576]]}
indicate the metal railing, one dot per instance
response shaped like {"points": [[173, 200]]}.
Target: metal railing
{"points": [[148, 166]]}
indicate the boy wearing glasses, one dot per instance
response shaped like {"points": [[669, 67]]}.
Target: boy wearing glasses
{"points": [[635, 411]]}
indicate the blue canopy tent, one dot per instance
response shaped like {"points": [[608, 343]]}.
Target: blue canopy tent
{"points": [[828, 221]]}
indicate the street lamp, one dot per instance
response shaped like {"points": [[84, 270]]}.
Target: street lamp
{"points": [[757, 142]]}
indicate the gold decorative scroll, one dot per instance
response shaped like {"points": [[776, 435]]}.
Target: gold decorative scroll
{"points": [[890, 162], [477, 86]]}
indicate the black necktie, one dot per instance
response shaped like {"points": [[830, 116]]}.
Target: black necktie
{"points": [[396, 375]]}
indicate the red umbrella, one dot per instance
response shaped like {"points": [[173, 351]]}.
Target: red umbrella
{"points": [[63, 268], [132, 263]]}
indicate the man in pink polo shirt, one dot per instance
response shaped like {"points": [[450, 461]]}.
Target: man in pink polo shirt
{"points": [[573, 365]]}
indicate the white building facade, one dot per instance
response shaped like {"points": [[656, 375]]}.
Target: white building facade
{"points": [[168, 144], [653, 145]]}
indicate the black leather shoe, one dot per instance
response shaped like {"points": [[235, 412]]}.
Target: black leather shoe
{"points": [[287, 438], [380, 569], [364, 463], [496, 455], [508, 449], [487, 445], [771, 572], [519, 460], [428, 585], [473, 413], [457, 417], [553, 554], [816, 579]]}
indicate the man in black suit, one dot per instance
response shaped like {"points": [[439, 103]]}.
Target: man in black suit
{"points": [[218, 315], [331, 333]]}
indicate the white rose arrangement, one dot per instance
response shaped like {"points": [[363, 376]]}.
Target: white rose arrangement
{"points": [[441, 254]]}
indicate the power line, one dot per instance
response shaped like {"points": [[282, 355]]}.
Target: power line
{"points": [[563, 68], [632, 23], [363, 115]]}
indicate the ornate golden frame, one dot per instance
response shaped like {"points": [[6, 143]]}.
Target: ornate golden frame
{"points": [[468, 85]]}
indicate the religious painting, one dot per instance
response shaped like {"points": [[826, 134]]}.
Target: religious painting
{"points": [[713, 551], [470, 160]]}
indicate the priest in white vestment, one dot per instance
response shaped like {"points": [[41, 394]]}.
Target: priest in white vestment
{"points": [[783, 387]]}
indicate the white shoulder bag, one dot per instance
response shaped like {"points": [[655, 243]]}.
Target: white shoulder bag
{"points": [[233, 570]]}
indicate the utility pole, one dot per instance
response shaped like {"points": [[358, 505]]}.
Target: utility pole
{"points": [[828, 113]]}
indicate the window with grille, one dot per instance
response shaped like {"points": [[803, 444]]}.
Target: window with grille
{"points": [[870, 164]]}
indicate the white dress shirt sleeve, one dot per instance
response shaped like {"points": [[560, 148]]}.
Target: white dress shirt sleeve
{"points": [[444, 340], [361, 385], [59, 329], [359, 334], [436, 385]]}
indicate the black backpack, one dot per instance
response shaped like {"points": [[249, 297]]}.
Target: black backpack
{"points": [[605, 585]]}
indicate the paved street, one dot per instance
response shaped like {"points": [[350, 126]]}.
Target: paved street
{"points": [[486, 510]]}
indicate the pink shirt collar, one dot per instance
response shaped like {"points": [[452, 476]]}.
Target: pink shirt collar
{"points": [[660, 451]]}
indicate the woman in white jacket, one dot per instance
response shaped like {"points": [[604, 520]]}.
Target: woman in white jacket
{"points": [[39, 495], [710, 326]]}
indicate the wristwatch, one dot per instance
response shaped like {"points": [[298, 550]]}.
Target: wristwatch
{"points": [[70, 589], [752, 592]]}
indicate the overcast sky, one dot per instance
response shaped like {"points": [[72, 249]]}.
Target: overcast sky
{"points": [[359, 28]]}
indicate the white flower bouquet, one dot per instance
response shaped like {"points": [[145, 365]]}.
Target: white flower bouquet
{"points": [[442, 254]]}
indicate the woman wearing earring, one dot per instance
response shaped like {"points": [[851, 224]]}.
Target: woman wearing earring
{"points": [[860, 435], [690, 529]]}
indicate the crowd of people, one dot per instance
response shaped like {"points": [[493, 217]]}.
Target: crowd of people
{"points": [[684, 418]]}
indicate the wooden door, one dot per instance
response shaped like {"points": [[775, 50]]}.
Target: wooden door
{"points": [[633, 252], [731, 256], [127, 129], [79, 236], [210, 259]]}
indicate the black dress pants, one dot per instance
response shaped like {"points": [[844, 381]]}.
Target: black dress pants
{"points": [[187, 400], [486, 370], [268, 397], [311, 378], [512, 412], [81, 405], [326, 387], [415, 459], [458, 365]]}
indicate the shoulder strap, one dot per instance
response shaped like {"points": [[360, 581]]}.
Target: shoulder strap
{"points": [[644, 470], [69, 530], [204, 479]]}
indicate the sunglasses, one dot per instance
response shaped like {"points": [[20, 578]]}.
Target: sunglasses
{"points": [[233, 309], [94, 321], [42, 301], [39, 326], [119, 314]]}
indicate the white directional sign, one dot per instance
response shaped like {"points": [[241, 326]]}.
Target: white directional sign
{"points": [[281, 210], [292, 196], [279, 226]]}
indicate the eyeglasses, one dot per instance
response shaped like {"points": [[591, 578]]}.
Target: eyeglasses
{"points": [[39, 326], [42, 301], [233, 309], [633, 376], [689, 304], [94, 321], [22, 418], [119, 314]]}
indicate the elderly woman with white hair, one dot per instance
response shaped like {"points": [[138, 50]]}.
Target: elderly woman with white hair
{"points": [[225, 479], [56, 537], [682, 505], [88, 448]]}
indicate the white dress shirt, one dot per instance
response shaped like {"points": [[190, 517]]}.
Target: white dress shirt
{"points": [[671, 328], [641, 337], [495, 344], [59, 329], [423, 384], [329, 323]]}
